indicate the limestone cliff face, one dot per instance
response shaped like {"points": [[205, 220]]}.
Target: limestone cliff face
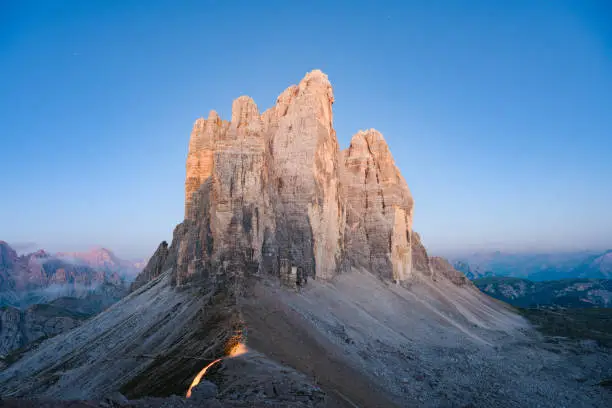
{"points": [[420, 260], [273, 194], [226, 196], [379, 208], [263, 191], [304, 177], [200, 157]]}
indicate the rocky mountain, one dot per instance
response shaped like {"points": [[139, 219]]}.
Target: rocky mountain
{"points": [[303, 256], [536, 267], [40, 277], [564, 293], [42, 295], [41, 269], [273, 194], [598, 266], [103, 259]]}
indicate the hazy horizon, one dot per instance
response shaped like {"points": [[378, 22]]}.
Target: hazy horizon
{"points": [[30, 247], [499, 117]]}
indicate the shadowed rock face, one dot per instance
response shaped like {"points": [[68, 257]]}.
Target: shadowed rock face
{"points": [[273, 194], [154, 266]]}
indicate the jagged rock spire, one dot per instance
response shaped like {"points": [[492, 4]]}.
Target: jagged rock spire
{"points": [[273, 193], [379, 208]]}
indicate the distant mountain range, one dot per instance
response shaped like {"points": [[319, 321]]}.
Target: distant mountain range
{"points": [[537, 267], [105, 260], [581, 293], [40, 277], [43, 294]]}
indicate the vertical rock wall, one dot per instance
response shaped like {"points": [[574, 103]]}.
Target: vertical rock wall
{"points": [[379, 208], [305, 176], [273, 194]]}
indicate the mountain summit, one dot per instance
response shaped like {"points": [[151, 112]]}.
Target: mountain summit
{"points": [[272, 194]]}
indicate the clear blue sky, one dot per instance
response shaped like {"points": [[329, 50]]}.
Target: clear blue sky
{"points": [[498, 113]]}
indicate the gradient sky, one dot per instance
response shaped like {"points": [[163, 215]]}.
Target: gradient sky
{"points": [[499, 117]]}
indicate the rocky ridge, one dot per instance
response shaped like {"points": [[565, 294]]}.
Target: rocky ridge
{"points": [[40, 269]]}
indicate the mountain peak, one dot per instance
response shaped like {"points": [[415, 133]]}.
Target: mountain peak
{"points": [[315, 76], [285, 201], [244, 110]]}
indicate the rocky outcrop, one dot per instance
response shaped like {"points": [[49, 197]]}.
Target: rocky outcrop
{"points": [[272, 194], [154, 267], [379, 208], [420, 260], [441, 267], [8, 258]]}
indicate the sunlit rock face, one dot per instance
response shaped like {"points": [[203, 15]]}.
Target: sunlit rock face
{"points": [[273, 194], [304, 177], [379, 208], [264, 190], [201, 150], [225, 212]]}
